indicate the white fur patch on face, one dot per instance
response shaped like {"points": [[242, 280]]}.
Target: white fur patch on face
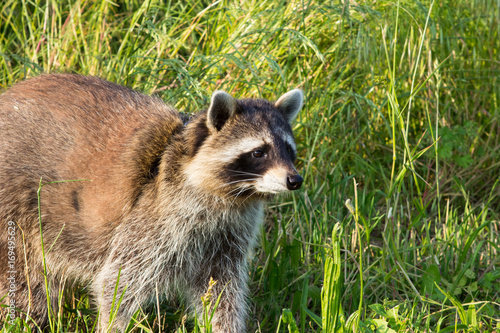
{"points": [[288, 138], [273, 181], [238, 147]]}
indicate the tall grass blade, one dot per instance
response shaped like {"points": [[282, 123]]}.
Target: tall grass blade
{"points": [[331, 309]]}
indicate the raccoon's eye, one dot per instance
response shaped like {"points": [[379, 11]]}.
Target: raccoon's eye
{"points": [[258, 153]]}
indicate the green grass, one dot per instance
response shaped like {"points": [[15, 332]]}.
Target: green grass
{"points": [[401, 117]]}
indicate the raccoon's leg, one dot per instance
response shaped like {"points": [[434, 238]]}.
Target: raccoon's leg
{"points": [[107, 301], [119, 315], [230, 315], [231, 286], [104, 289]]}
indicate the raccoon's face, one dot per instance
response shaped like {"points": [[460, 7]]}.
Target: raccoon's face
{"points": [[246, 147]]}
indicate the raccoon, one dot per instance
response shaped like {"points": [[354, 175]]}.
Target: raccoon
{"points": [[134, 197]]}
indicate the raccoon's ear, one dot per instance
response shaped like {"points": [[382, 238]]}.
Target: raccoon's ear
{"points": [[222, 107], [290, 104]]}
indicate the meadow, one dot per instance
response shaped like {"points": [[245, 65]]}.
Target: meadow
{"points": [[397, 226]]}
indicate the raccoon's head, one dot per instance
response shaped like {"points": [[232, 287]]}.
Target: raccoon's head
{"points": [[243, 148]]}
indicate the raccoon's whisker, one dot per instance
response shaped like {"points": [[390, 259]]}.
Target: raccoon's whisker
{"points": [[240, 189], [240, 181], [231, 193], [253, 192], [236, 181], [226, 185], [245, 173], [237, 195]]}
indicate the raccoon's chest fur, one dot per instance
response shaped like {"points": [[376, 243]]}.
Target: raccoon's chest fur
{"points": [[188, 239]]}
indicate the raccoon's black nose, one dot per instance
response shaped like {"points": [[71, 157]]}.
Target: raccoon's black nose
{"points": [[294, 182]]}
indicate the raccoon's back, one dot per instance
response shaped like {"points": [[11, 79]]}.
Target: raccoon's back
{"points": [[70, 127]]}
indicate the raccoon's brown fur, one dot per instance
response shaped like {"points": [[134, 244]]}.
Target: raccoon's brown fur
{"points": [[166, 205]]}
